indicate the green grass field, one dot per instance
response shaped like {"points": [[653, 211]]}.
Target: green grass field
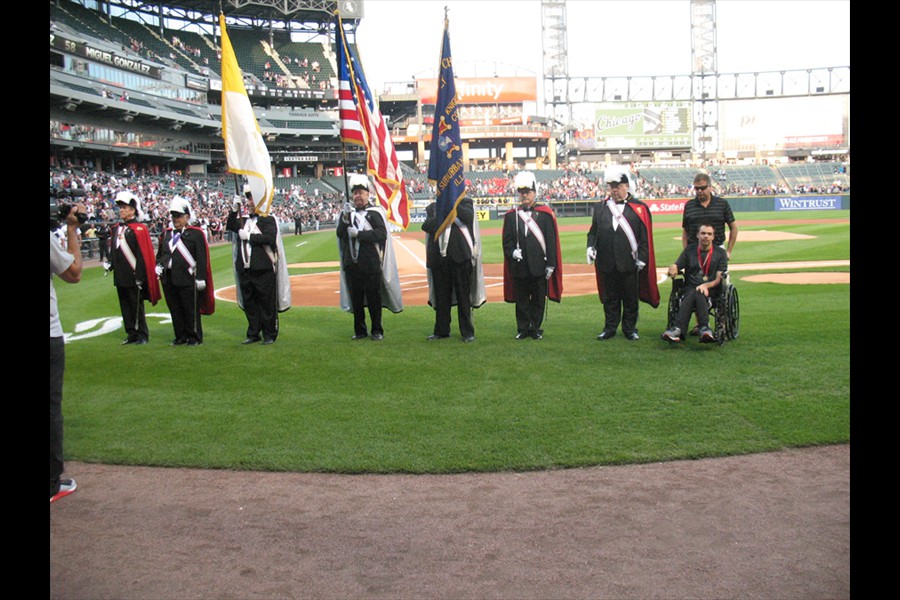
{"points": [[316, 401]]}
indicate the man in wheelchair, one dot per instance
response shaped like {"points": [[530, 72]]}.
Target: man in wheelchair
{"points": [[703, 265]]}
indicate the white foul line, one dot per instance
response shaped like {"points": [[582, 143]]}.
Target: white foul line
{"points": [[411, 253]]}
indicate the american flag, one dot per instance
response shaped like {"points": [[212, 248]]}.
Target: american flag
{"points": [[362, 124]]}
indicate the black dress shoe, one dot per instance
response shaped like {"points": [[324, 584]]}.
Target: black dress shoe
{"points": [[437, 337], [250, 340], [606, 334], [522, 335], [377, 336], [193, 343], [537, 335], [179, 342], [360, 336], [469, 338], [269, 341], [139, 342], [632, 335]]}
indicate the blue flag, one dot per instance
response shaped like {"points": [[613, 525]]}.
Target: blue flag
{"points": [[445, 166]]}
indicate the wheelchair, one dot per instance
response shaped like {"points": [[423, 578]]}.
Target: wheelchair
{"points": [[724, 308]]}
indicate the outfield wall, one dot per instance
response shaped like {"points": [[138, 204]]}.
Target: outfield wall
{"points": [[661, 206], [672, 206]]}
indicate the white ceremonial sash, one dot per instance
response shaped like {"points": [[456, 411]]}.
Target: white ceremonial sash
{"points": [[623, 223], [445, 237], [184, 252], [122, 244], [246, 249], [530, 225], [361, 224]]}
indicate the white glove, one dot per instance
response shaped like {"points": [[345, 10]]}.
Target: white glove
{"points": [[549, 272], [236, 204], [640, 264], [348, 208], [107, 265], [201, 285], [352, 232], [159, 270], [244, 234], [517, 254], [591, 255]]}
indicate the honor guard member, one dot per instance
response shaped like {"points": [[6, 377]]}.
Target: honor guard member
{"points": [[532, 261], [703, 264], [368, 268], [182, 263], [255, 263], [453, 264], [620, 244], [132, 262]]}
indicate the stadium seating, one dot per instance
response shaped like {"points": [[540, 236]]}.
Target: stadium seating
{"points": [[82, 19], [746, 176], [818, 175], [666, 176]]}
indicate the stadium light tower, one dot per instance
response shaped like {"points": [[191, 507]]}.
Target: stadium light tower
{"points": [[704, 71], [556, 60]]}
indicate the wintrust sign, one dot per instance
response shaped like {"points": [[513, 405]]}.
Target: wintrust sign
{"points": [[808, 203]]}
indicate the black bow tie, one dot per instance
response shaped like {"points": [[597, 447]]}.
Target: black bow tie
{"points": [[620, 202]]}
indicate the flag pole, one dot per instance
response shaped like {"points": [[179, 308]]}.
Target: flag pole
{"points": [[338, 39]]}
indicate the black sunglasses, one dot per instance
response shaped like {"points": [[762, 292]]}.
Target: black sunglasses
{"points": [[701, 188]]}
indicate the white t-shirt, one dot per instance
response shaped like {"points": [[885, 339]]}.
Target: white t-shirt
{"points": [[60, 260]]}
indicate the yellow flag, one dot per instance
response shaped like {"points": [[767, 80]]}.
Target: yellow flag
{"points": [[245, 149]]}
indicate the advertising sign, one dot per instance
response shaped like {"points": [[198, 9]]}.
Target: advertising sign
{"points": [[639, 125]]}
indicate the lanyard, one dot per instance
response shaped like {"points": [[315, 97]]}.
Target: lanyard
{"points": [[704, 266]]}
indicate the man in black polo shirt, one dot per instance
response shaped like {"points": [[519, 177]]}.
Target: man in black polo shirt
{"points": [[706, 208]]}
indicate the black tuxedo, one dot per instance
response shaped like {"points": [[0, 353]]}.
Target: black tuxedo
{"points": [[131, 284], [615, 263], [258, 281], [529, 274], [451, 274], [179, 281], [363, 274]]}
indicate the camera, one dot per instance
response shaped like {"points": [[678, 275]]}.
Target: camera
{"points": [[61, 201]]}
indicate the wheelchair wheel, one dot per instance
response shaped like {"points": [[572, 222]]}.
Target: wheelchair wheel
{"points": [[733, 310], [674, 302]]}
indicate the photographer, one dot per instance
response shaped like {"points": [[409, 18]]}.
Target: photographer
{"points": [[66, 264]]}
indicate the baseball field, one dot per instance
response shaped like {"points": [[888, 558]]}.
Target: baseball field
{"points": [[321, 467], [314, 401]]}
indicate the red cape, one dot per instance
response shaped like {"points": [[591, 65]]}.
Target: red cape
{"points": [[145, 244], [648, 291], [555, 283], [207, 296]]}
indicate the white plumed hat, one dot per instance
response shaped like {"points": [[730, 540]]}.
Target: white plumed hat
{"points": [[180, 205], [616, 174], [525, 179], [358, 180]]}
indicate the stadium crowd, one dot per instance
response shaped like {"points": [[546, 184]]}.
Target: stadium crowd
{"points": [[210, 198], [316, 209]]}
